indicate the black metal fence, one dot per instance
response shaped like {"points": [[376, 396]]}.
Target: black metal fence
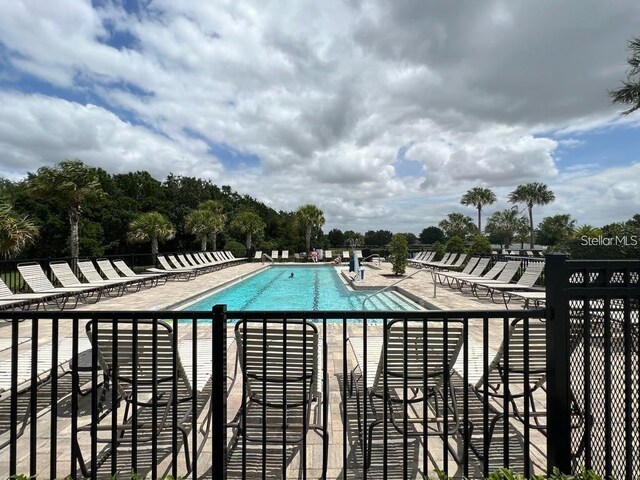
{"points": [[389, 394], [594, 339]]}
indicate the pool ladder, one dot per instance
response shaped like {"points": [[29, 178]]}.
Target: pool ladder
{"points": [[268, 258]]}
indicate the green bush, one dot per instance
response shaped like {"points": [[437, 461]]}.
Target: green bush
{"points": [[480, 246], [439, 249], [238, 249], [509, 474], [455, 245], [399, 248]]}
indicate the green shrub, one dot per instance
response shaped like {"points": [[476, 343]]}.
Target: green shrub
{"points": [[455, 245], [480, 246], [509, 474], [399, 248], [439, 249], [238, 249]]}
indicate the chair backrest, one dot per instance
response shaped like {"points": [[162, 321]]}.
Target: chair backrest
{"points": [[165, 264], [358, 253], [509, 271], [184, 261], [495, 270], [479, 267], [531, 274], [176, 263], [445, 259], [420, 369], [258, 254], [123, 267], [537, 353], [228, 255], [265, 367], [473, 261], [5, 292], [460, 260], [200, 258], [89, 271], [107, 269], [142, 343], [64, 274], [274, 254], [452, 258], [345, 254], [35, 277], [219, 257], [285, 254]]}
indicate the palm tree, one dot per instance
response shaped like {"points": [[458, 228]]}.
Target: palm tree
{"points": [[310, 217], [457, 225], [72, 184], [629, 93], [248, 223], [478, 197], [532, 194], [196, 222], [153, 227], [216, 219], [587, 231], [505, 224], [16, 232]]}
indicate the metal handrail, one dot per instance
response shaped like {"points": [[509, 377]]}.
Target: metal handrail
{"points": [[374, 255], [396, 283], [268, 258]]}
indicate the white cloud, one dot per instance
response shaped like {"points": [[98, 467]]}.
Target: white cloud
{"points": [[325, 94]]}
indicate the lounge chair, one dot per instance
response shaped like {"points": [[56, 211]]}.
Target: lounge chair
{"points": [[500, 382], [446, 260], [152, 279], [68, 279], [258, 255], [274, 255], [133, 283], [426, 377], [454, 265], [526, 282], [173, 368], [88, 270], [422, 257], [38, 282], [474, 264], [476, 272], [203, 261], [184, 274], [537, 298], [345, 254], [43, 370], [285, 255], [507, 273], [22, 300], [294, 367], [205, 267]]}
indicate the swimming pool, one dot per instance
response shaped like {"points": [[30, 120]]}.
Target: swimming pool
{"points": [[310, 288]]}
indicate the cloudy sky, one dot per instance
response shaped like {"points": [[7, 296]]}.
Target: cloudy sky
{"points": [[383, 113]]}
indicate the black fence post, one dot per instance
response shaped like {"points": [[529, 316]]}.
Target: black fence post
{"points": [[558, 366], [219, 396]]}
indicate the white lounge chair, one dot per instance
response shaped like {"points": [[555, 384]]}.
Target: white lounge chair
{"points": [[68, 279], [258, 255], [303, 376], [420, 370], [285, 255], [38, 282], [151, 336], [9, 299], [184, 274], [88, 270], [149, 278]]}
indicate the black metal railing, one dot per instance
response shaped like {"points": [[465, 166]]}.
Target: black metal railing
{"points": [[388, 419]]}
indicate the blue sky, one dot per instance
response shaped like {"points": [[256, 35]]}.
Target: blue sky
{"points": [[381, 113]]}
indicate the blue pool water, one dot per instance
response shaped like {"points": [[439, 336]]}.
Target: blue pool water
{"points": [[311, 288]]}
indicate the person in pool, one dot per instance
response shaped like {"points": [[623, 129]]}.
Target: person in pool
{"points": [[291, 276]]}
